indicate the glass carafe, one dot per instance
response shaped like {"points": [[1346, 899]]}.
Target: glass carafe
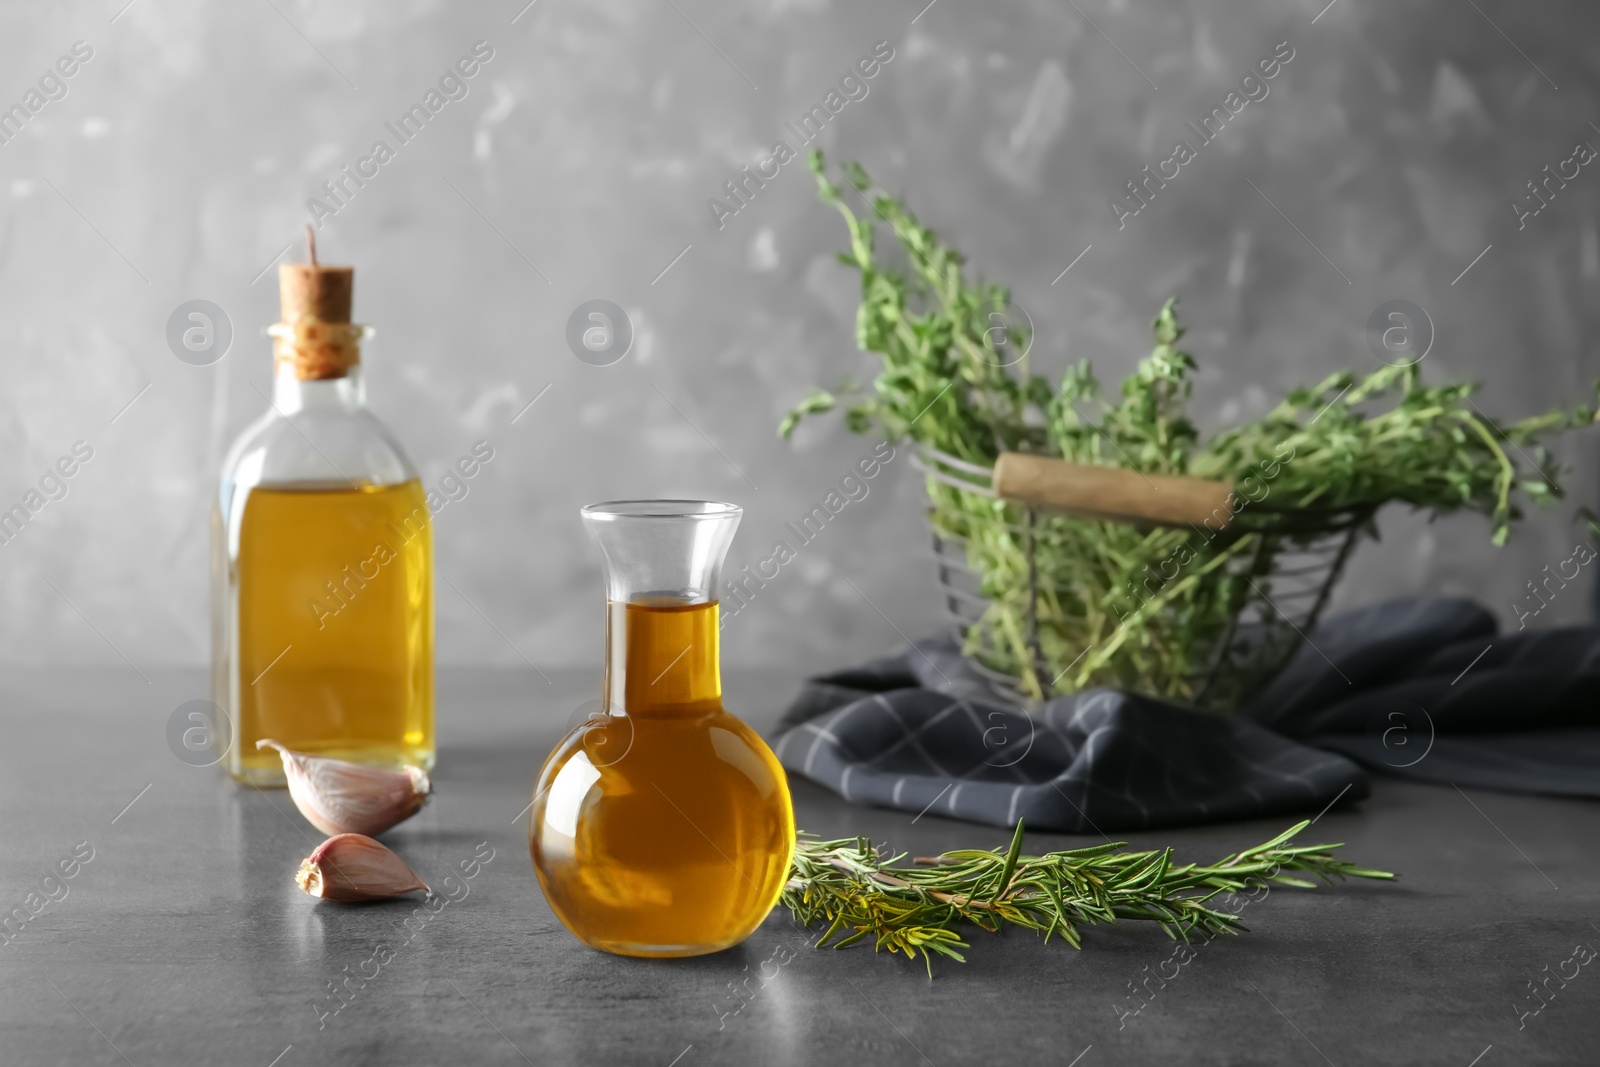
{"points": [[322, 557], [662, 826]]}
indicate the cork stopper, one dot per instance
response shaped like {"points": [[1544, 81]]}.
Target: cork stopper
{"points": [[316, 336], [312, 290]]}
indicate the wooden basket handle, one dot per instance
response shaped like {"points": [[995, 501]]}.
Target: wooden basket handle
{"points": [[1115, 493]]}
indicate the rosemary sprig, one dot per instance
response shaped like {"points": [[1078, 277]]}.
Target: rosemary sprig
{"points": [[861, 893]]}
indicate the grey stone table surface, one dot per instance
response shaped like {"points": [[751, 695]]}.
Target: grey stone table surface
{"points": [[184, 940]]}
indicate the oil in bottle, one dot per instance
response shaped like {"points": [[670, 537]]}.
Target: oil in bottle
{"points": [[335, 623], [663, 828]]}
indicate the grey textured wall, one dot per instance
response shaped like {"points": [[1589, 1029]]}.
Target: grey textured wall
{"points": [[578, 166]]}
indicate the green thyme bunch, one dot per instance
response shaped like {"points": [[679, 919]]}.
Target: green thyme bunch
{"points": [[948, 380]]}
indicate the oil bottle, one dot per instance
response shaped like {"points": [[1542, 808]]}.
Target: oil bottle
{"points": [[662, 826], [322, 557]]}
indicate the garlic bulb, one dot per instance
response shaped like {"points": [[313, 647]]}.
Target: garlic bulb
{"points": [[349, 798], [353, 867]]}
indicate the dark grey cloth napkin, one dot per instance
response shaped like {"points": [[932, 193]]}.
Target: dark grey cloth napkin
{"points": [[1421, 688]]}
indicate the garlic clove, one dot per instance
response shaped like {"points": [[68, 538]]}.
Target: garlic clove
{"points": [[338, 797], [353, 867]]}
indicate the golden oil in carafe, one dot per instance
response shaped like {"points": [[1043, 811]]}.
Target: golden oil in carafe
{"points": [[665, 830], [335, 624]]}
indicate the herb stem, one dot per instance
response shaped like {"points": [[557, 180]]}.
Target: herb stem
{"points": [[859, 892]]}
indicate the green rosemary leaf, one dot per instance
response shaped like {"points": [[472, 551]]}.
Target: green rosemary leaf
{"points": [[1004, 881]]}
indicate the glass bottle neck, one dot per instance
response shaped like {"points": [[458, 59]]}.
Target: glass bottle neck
{"points": [[290, 394], [663, 658], [663, 562]]}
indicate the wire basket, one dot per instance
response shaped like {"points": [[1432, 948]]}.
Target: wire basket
{"points": [[1284, 562]]}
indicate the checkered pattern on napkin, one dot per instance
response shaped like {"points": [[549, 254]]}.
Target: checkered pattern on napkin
{"points": [[1395, 687]]}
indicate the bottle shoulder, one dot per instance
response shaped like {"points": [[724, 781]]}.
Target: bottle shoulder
{"points": [[628, 746], [316, 446]]}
